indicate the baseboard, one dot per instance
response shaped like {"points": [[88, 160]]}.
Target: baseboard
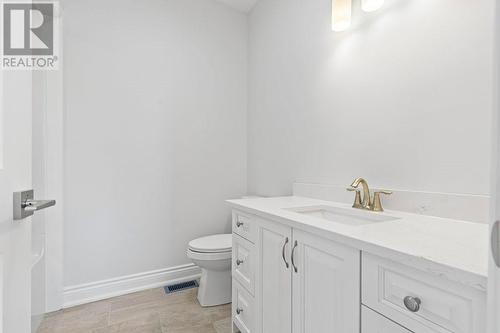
{"points": [[99, 290]]}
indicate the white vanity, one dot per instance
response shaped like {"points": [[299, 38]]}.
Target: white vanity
{"points": [[303, 265]]}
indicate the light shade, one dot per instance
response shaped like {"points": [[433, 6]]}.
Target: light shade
{"points": [[341, 14], [371, 5]]}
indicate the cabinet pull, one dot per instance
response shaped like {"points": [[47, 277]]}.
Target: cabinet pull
{"points": [[293, 256], [239, 262], [283, 253], [239, 224], [239, 310], [412, 303]]}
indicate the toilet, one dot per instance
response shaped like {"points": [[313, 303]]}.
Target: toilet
{"points": [[213, 255]]}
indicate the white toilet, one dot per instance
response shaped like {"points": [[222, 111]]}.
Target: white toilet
{"points": [[213, 255]]}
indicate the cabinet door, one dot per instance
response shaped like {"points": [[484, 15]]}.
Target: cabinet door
{"points": [[373, 322], [273, 284], [326, 283]]}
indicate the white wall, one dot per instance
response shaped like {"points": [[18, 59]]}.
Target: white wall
{"points": [[403, 98], [155, 131]]}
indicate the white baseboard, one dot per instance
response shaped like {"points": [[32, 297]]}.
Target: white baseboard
{"points": [[99, 290]]}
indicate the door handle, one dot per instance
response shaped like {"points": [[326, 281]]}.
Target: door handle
{"points": [[293, 256], [283, 253], [34, 205], [495, 243], [25, 205]]}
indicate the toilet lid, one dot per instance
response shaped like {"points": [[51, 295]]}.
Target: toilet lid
{"points": [[214, 243]]}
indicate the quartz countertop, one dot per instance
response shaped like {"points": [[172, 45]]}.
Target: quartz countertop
{"points": [[457, 250]]}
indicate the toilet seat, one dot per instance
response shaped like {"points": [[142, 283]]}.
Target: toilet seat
{"points": [[206, 256], [212, 244]]}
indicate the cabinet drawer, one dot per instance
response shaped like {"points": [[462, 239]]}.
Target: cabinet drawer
{"points": [[372, 322], [244, 263], [433, 304], [244, 226], [242, 308]]}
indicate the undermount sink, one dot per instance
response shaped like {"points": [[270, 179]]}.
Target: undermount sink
{"points": [[348, 216]]}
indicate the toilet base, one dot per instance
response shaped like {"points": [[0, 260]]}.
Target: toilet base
{"points": [[215, 288]]}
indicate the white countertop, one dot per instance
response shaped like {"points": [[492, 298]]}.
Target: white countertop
{"points": [[454, 249]]}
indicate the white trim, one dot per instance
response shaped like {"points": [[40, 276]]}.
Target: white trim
{"points": [[54, 181], [493, 301], [99, 290]]}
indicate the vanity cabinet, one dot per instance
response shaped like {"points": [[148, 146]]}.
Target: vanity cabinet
{"points": [[373, 322], [420, 301], [273, 289], [325, 285], [303, 283], [287, 280]]}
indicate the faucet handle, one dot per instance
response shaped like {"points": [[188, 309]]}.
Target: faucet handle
{"points": [[357, 200], [384, 192], [377, 203]]}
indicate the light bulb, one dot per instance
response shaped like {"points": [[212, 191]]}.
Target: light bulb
{"points": [[341, 14], [371, 5]]}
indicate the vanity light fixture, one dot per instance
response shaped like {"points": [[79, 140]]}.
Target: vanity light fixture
{"points": [[341, 14], [371, 5]]}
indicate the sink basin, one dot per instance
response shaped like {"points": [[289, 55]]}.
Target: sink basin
{"points": [[348, 216]]}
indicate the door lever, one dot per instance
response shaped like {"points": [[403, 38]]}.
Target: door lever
{"points": [[495, 243], [25, 206], [34, 205]]}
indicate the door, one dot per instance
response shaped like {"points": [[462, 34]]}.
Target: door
{"points": [[15, 175], [326, 285], [494, 262], [373, 322], [274, 282]]}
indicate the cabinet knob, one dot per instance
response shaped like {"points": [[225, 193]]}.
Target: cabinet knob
{"points": [[239, 224], [239, 310], [412, 303], [239, 262]]}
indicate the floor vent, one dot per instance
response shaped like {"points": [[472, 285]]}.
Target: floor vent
{"points": [[180, 286]]}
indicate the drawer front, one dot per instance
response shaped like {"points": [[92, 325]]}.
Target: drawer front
{"points": [[244, 226], [242, 309], [433, 304], [243, 266], [372, 322]]}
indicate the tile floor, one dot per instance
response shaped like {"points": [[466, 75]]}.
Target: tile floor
{"points": [[150, 311]]}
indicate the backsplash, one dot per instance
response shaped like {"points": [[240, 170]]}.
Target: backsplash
{"points": [[467, 207]]}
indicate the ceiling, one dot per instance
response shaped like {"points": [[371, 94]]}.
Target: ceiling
{"points": [[241, 5]]}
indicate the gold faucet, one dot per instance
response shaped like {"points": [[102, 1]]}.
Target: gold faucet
{"points": [[367, 202]]}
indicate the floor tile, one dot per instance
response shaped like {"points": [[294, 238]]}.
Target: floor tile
{"points": [[127, 327], [150, 311], [143, 297], [183, 316], [138, 314], [216, 313], [207, 328], [223, 325]]}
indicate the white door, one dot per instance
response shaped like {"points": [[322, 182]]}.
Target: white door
{"points": [[15, 175], [373, 322], [326, 283], [274, 282], [494, 269]]}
